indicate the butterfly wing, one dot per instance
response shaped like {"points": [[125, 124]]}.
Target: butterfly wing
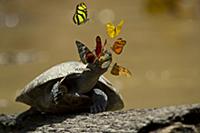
{"points": [[80, 15], [98, 50], [111, 30], [85, 54], [80, 18], [81, 6], [124, 71], [119, 27], [119, 70], [118, 45], [90, 57], [115, 70]]}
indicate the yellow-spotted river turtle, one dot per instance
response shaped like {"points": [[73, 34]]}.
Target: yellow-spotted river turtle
{"points": [[73, 87]]}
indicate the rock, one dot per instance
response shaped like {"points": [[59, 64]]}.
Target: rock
{"points": [[174, 119], [177, 127]]}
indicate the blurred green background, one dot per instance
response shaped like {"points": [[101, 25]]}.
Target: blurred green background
{"points": [[162, 50]]}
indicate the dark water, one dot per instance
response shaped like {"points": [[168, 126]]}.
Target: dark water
{"points": [[162, 48]]}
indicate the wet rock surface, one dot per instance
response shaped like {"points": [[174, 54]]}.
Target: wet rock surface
{"points": [[173, 119]]}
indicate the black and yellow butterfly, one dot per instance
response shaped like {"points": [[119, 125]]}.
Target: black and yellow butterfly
{"points": [[80, 15]]}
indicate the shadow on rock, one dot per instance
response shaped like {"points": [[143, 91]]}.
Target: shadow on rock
{"points": [[29, 121]]}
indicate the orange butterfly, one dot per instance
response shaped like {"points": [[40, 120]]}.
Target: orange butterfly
{"points": [[119, 70], [118, 45]]}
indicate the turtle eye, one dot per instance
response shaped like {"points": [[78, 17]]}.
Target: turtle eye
{"points": [[105, 60], [106, 64], [106, 56]]}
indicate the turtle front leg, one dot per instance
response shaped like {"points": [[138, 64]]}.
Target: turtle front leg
{"points": [[100, 100], [58, 90]]}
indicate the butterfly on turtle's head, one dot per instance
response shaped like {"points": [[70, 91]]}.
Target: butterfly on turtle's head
{"points": [[85, 54], [98, 55]]}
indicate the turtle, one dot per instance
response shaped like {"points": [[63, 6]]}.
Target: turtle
{"points": [[73, 86]]}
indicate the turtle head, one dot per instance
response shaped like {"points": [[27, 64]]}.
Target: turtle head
{"points": [[95, 64], [102, 64], [95, 67]]}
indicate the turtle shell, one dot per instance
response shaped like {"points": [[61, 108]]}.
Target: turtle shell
{"points": [[37, 92]]}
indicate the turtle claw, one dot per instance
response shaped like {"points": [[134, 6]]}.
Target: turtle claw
{"points": [[58, 91], [97, 109], [55, 92], [57, 98], [76, 94], [99, 100]]}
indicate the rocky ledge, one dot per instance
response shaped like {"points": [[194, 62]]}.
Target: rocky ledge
{"points": [[173, 119]]}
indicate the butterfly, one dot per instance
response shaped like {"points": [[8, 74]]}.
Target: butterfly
{"points": [[80, 15], [99, 54], [85, 54], [112, 30], [119, 70], [118, 45], [99, 50]]}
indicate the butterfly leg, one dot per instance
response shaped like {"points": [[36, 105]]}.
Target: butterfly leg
{"points": [[99, 99]]}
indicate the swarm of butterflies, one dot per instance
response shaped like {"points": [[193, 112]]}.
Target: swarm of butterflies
{"points": [[81, 17]]}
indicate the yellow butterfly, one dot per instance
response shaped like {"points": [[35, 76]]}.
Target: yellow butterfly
{"points": [[119, 70], [112, 30], [80, 15], [118, 45]]}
